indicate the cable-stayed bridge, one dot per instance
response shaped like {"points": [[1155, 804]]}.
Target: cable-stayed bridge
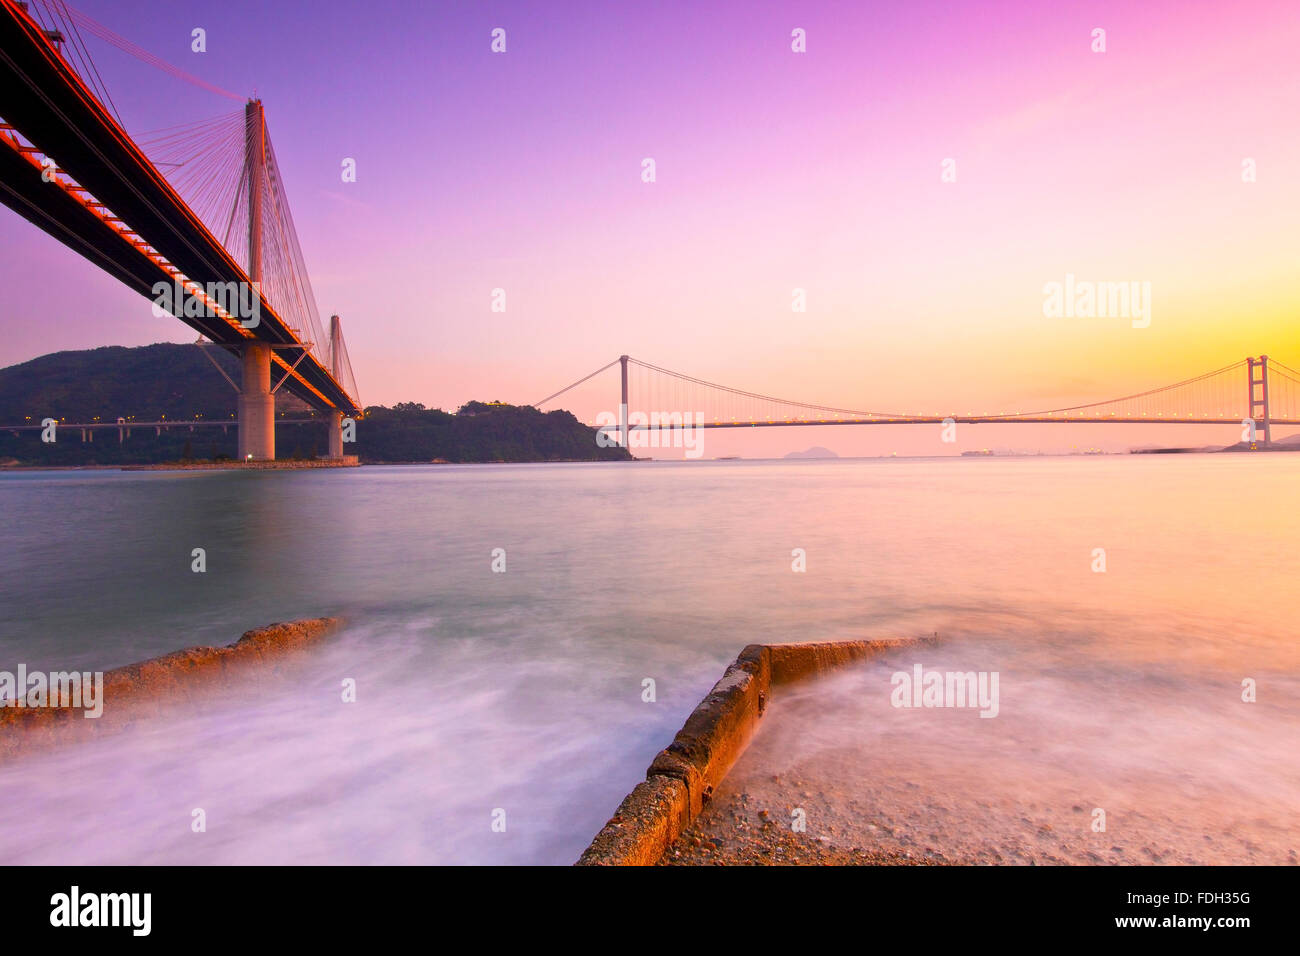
{"points": [[1253, 394], [194, 217]]}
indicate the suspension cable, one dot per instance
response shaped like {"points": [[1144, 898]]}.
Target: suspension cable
{"points": [[538, 405]]}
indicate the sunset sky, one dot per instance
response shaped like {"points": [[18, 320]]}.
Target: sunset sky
{"points": [[775, 170]]}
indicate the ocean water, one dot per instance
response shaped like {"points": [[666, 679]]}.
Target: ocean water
{"points": [[484, 696]]}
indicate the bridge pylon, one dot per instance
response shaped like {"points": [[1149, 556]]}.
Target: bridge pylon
{"points": [[256, 401], [622, 405], [334, 418], [1259, 395]]}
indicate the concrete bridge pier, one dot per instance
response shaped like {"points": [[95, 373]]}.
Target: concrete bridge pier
{"points": [[334, 426], [256, 405]]}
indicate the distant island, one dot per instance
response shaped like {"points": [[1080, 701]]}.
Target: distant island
{"points": [[178, 383], [817, 451], [477, 432]]}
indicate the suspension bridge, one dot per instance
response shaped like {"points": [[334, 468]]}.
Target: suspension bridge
{"points": [[1257, 393], [195, 215]]}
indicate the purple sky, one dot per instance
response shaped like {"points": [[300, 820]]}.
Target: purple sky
{"points": [[775, 170]]}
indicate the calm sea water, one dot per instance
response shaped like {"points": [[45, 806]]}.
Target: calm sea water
{"points": [[522, 690]]}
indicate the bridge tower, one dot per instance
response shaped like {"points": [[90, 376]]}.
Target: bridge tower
{"points": [[256, 403], [1259, 400], [622, 406], [334, 420]]}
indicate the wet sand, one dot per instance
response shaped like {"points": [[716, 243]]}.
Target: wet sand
{"points": [[737, 829]]}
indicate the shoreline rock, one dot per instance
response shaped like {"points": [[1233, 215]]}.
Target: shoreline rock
{"points": [[149, 687]]}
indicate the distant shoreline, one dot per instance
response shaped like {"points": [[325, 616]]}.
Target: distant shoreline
{"points": [[290, 465], [306, 465]]}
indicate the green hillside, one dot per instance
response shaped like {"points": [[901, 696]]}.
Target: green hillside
{"points": [[178, 383]]}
